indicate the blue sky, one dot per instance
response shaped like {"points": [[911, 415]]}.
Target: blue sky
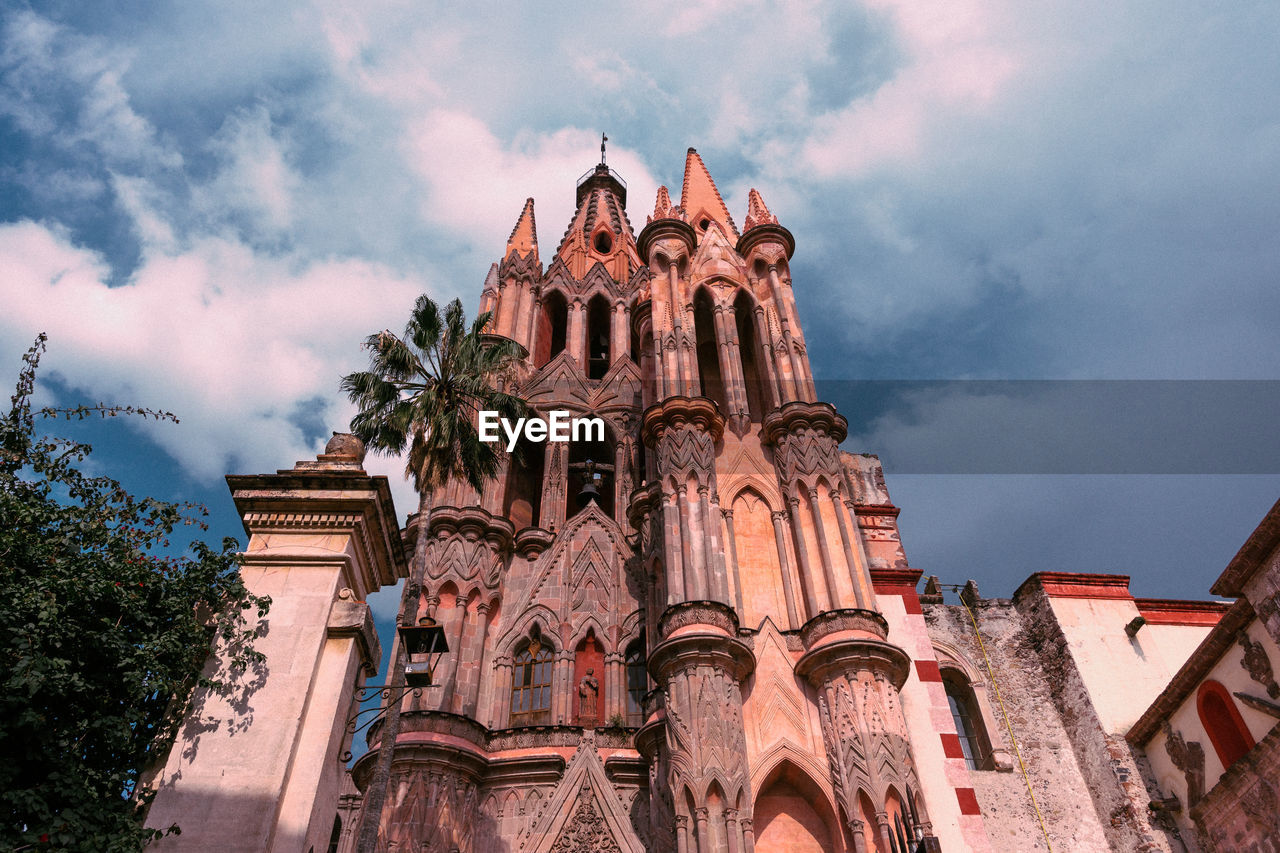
{"points": [[208, 206]]}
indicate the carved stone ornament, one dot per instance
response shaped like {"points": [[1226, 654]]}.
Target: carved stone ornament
{"points": [[586, 831], [1187, 757], [1257, 664]]}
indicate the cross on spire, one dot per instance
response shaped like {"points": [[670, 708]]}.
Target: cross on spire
{"points": [[603, 140]]}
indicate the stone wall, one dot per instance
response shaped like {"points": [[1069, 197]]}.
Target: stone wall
{"points": [[1061, 789]]}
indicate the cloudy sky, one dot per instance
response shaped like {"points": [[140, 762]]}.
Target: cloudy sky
{"points": [[208, 205]]}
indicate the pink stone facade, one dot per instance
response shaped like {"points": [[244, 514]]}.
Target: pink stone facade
{"points": [[701, 633]]}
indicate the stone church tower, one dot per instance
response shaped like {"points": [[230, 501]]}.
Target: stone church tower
{"points": [[665, 637], [698, 632]]}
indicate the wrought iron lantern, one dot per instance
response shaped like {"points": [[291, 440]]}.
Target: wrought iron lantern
{"points": [[424, 645]]}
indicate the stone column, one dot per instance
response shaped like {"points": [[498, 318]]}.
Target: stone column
{"points": [[765, 341], [733, 559], [449, 699], [859, 838], [474, 676], [677, 585], [709, 513], [748, 835], [857, 568], [576, 344], [734, 835], [619, 334], [700, 666], [802, 557], [780, 541], [730, 373], [500, 706], [694, 576], [531, 321], [286, 757], [824, 550], [858, 676]]}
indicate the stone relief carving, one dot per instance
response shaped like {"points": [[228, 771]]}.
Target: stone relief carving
{"points": [[1257, 664], [586, 831], [807, 452], [1187, 756], [686, 450]]}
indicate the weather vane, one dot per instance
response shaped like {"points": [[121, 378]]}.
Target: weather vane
{"points": [[603, 140]]}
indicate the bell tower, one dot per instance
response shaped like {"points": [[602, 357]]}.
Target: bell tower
{"points": [[665, 635], [750, 516]]}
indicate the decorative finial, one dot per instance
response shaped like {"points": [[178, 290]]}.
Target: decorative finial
{"points": [[603, 140]]}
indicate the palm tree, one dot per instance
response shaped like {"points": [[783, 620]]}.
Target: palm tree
{"points": [[423, 391]]}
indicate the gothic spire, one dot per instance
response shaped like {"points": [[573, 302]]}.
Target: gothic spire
{"points": [[662, 207], [700, 198], [524, 237], [757, 212]]}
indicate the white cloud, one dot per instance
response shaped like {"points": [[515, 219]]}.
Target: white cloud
{"points": [[44, 63], [230, 340]]}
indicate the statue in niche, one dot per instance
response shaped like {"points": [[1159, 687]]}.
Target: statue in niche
{"points": [[588, 692]]}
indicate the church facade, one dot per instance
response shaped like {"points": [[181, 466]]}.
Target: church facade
{"points": [[698, 633]]}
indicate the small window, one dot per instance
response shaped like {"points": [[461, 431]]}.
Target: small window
{"points": [[603, 242], [553, 326], [704, 224], [637, 683], [531, 685], [599, 356], [964, 712]]}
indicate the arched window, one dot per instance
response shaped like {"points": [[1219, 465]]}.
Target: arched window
{"points": [[1221, 720], [599, 353], [752, 356], [637, 683], [964, 712], [601, 473], [522, 502], [553, 328], [336, 835], [531, 684], [704, 324]]}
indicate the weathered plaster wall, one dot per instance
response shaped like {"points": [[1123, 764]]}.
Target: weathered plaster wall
{"points": [[1111, 771], [1061, 789], [1100, 648]]}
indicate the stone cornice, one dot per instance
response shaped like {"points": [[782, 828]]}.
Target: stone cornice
{"points": [[479, 752], [708, 613], [344, 501], [1252, 555], [766, 232], [798, 415], [664, 229], [473, 523], [1076, 585], [850, 653], [839, 621], [676, 412]]}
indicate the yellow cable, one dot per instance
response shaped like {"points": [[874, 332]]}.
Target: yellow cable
{"points": [[1008, 726]]}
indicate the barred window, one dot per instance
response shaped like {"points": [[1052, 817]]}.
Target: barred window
{"points": [[531, 684], [964, 712]]}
